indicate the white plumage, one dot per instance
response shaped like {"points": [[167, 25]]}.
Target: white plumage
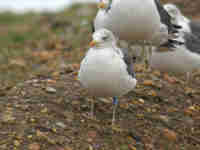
{"points": [[184, 59], [178, 61], [103, 71], [135, 20]]}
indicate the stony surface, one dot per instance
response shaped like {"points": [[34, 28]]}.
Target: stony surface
{"points": [[43, 106]]}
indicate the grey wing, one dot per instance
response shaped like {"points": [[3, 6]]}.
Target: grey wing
{"points": [[129, 62], [195, 28], [192, 42], [166, 19]]}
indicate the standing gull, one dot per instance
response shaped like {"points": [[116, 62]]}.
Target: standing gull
{"points": [[184, 59], [137, 21], [106, 70], [190, 26]]}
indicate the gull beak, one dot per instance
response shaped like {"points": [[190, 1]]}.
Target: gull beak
{"points": [[101, 5], [93, 43]]}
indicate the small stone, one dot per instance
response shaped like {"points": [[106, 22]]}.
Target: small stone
{"points": [[51, 81], [54, 130], [35, 80], [36, 85], [105, 100], [157, 73], [171, 80], [124, 105], [141, 101], [60, 148], [32, 120], [92, 134], [164, 118], [90, 147], [8, 118], [131, 147], [60, 124], [30, 136], [75, 102], [50, 90], [189, 91], [152, 93], [16, 143], [192, 108], [44, 110], [3, 146], [90, 140], [34, 146], [56, 74], [148, 83], [69, 68], [140, 115], [188, 112], [169, 134], [67, 148]]}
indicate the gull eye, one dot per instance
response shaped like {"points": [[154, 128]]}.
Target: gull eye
{"points": [[104, 38]]}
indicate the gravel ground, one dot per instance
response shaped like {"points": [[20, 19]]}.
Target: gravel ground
{"points": [[48, 110]]}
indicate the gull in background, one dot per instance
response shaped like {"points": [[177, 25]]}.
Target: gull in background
{"points": [[189, 26], [106, 70], [184, 59], [136, 21], [144, 23]]}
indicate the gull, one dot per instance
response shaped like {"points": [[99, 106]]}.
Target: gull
{"points": [[136, 21], [184, 59], [189, 26], [106, 70]]}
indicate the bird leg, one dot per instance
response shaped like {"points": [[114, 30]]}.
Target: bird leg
{"points": [[149, 56], [143, 54], [92, 108], [188, 77], [115, 103], [146, 55]]}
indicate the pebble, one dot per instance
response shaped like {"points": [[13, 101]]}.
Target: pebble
{"points": [[164, 118], [141, 101], [61, 124], [34, 146], [50, 90], [169, 134]]}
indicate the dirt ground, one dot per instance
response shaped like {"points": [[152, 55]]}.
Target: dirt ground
{"points": [[49, 111]]}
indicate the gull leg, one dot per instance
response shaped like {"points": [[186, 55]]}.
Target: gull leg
{"points": [[149, 56], [150, 53], [92, 108], [115, 103], [188, 77], [146, 59], [143, 54]]}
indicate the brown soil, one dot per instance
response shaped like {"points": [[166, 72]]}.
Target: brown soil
{"points": [[50, 112]]}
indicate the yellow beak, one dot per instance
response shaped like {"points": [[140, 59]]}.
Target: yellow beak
{"points": [[101, 5], [93, 43]]}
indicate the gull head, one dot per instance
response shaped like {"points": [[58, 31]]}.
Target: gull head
{"points": [[104, 4], [173, 11], [102, 38]]}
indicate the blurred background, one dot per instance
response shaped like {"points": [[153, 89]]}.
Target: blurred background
{"points": [[42, 37], [37, 5], [46, 37]]}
